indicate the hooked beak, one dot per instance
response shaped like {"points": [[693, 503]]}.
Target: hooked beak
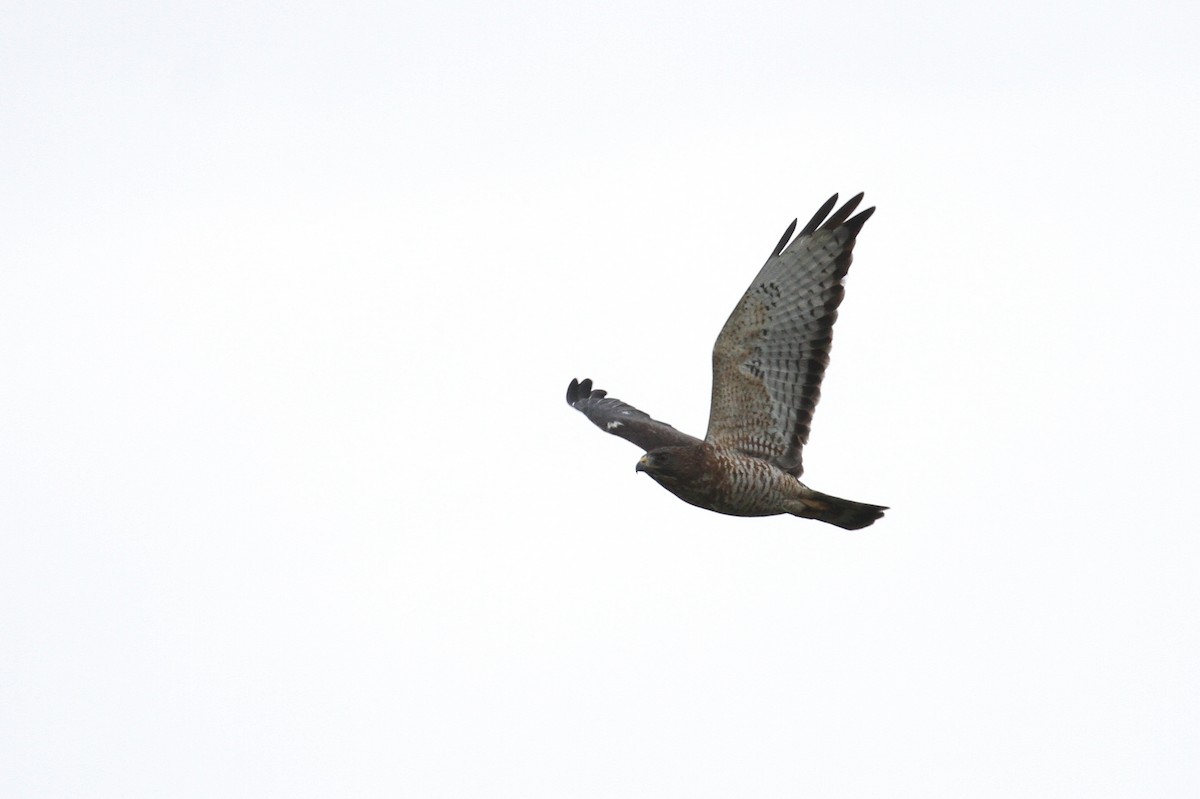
{"points": [[641, 464]]}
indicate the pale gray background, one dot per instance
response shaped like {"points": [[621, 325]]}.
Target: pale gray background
{"points": [[291, 503]]}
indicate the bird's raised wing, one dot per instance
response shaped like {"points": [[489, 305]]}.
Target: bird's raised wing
{"points": [[770, 357], [621, 419]]}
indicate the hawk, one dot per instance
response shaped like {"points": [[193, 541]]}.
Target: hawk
{"points": [[768, 363]]}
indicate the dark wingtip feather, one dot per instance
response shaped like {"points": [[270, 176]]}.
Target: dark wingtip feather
{"points": [[578, 389], [819, 216], [787, 236], [855, 224], [843, 213]]}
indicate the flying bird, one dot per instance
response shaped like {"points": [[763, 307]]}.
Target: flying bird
{"points": [[768, 363]]}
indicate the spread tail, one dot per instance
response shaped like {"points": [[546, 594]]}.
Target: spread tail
{"points": [[841, 512]]}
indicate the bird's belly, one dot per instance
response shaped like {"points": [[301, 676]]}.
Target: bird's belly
{"points": [[744, 487]]}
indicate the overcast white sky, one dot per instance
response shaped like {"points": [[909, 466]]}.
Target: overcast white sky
{"points": [[291, 504]]}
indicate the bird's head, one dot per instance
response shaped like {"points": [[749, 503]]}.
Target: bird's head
{"points": [[667, 463]]}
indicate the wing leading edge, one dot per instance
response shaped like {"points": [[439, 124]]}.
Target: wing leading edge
{"points": [[622, 419]]}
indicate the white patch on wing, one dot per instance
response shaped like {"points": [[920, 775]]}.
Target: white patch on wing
{"points": [[612, 425]]}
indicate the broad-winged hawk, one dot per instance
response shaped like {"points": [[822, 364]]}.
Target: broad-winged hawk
{"points": [[768, 363]]}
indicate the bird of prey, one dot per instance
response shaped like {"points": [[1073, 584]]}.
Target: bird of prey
{"points": [[768, 363]]}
